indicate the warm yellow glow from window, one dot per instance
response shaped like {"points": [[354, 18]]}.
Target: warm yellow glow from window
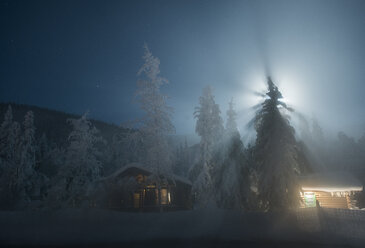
{"points": [[164, 199], [309, 199]]}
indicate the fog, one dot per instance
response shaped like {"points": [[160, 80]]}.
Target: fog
{"points": [[91, 153], [313, 50]]}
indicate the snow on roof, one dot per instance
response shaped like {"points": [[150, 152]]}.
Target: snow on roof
{"points": [[330, 182], [129, 166], [122, 169], [140, 166]]}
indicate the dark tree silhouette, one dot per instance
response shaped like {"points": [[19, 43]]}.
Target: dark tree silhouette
{"points": [[276, 154]]}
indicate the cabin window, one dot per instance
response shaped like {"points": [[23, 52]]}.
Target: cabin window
{"points": [[150, 197], [164, 197], [309, 199]]}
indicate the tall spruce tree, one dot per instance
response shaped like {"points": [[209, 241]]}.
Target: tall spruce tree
{"points": [[232, 184], [231, 124], [209, 126], [156, 124], [276, 154]]}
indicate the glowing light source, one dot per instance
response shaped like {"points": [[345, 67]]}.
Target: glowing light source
{"points": [[309, 199]]}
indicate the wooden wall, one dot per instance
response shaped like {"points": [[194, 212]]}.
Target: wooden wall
{"points": [[327, 200]]}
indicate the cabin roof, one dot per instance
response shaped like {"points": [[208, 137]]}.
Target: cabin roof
{"points": [[330, 182], [139, 168], [131, 167]]}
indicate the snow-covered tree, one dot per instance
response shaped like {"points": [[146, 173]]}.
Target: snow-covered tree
{"points": [[231, 124], [126, 147], [156, 123], [21, 178], [49, 156], [232, 174], [9, 136], [209, 126], [81, 166], [276, 154], [42, 148], [27, 176], [28, 144], [9, 160]]}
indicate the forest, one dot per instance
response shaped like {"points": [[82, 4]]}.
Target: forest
{"points": [[51, 160]]}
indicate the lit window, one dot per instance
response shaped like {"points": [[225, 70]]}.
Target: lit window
{"points": [[164, 197], [309, 199]]}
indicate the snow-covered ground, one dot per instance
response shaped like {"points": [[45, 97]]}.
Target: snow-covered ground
{"points": [[93, 226]]}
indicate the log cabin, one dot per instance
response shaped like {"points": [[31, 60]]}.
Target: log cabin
{"points": [[136, 188], [329, 190]]}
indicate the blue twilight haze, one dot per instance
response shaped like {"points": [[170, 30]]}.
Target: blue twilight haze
{"points": [[76, 56]]}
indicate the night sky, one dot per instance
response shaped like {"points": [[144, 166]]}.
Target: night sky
{"points": [[76, 56]]}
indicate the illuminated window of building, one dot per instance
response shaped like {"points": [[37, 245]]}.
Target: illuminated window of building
{"points": [[309, 199], [164, 198]]}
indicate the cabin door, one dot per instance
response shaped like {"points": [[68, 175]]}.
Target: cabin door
{"points": [[151, 197]]}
